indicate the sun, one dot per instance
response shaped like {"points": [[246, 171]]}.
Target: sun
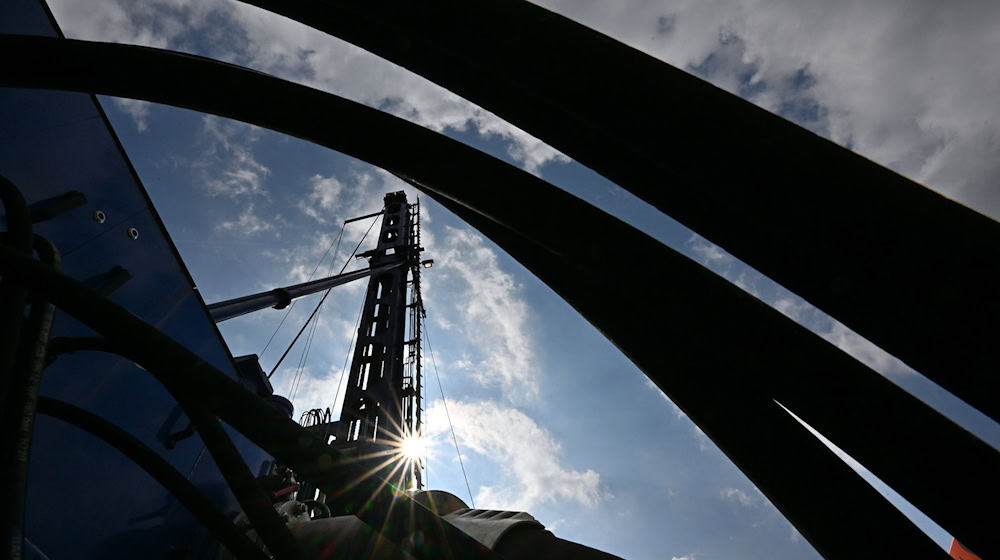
{"points": [[412, 447]]}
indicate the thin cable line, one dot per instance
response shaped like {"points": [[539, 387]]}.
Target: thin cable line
{"points": [[298, 367], [303, 359], [427, 458], [311, 275], [430, 350], [318, 264], [323, 299], [347, 356]]}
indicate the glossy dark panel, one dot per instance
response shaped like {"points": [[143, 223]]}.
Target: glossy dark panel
{"points": [[86, 500], [27, 17]]}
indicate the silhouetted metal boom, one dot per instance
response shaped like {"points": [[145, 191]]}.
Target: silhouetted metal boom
{"points": [[279, 298]]}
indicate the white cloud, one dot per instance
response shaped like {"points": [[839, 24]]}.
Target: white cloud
{"points": [[228, 164], [685, 557], [722, 263], [737, 495], [111, 21], [522, 147], [484, 303], [312, 390], [793, 307], [239, 33], [709, 253], [248, 222], [912, 85], [864, 351], [303, 262], [138, 110], [325, 192], [530, 459]]}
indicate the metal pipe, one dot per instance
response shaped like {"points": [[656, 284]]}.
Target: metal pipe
{"points": [[19, 413], [12, 290], [69, 344], [372, 215], [252, 498], [245, 488], [279, 298], [161, 471], [32, 360]]}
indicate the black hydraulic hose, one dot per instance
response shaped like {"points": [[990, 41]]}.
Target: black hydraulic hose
{"points": [[191, 379], [181, 371], [252, 498], [68, 344], [161, 471], [12, 290], [19, 413], [365, 488]]}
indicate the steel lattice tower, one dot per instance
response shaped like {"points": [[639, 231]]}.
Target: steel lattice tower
{"points": [[382, 400]]}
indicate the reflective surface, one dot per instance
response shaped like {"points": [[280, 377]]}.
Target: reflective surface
{"points": [[85, 500]]}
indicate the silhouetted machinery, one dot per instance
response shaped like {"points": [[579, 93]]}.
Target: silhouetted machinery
{"points": [[146, 438], [380, 420]]}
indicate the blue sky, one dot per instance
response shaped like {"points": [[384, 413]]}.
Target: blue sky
{"points": [[551, 418]]}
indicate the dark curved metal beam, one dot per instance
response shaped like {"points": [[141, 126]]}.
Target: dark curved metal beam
{"points": [[727, 391], [907, 268], [253, 499]]}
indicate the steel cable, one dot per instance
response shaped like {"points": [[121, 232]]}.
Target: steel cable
{"points": [[323, 299], [19, 411], [444, 402], [347, 356], [311, 275]]}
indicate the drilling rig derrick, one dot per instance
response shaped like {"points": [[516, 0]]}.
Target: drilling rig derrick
{"points": [[382, 405]]}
